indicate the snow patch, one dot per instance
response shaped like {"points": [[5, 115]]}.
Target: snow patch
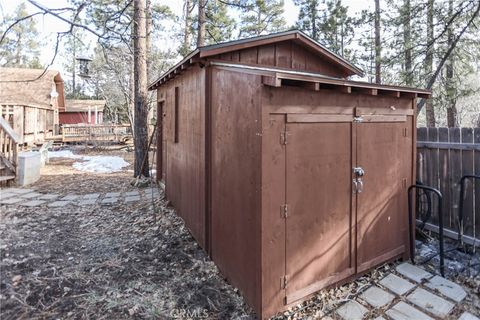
{"points": [[63, 154], [95, 164]]}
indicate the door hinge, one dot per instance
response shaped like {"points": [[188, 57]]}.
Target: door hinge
{"points": [[283, 137], [404, 183], [405, 132], [285, 211], [284, 282]]}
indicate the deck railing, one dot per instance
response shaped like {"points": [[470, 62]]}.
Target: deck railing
{"points": [[9, 141], [97, 132]]}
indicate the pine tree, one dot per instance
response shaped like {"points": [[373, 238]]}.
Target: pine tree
{"points": [[337, 28], [261, 17], [309, 20], [219, 24], [20, 47]]}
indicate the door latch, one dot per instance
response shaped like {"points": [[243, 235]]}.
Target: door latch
{"points": [[358, 171]]}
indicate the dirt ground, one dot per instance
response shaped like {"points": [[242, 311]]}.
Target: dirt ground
{"points": [[133, 261], [126, 261]]}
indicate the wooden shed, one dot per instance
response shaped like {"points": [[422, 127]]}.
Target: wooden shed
{"points": [[290, 176], [29, 101], [82, 112]]}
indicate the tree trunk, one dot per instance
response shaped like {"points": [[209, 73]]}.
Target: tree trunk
{"points": [[407, 42], [201, 23], [449, 86], [140, 97], [429, 110], [378, 45], [186, 35], [148, 15]]}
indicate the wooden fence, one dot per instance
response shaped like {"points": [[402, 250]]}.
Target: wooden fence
{"points": [[98, 132], [444, 155]]}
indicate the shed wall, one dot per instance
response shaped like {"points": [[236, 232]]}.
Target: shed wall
{"points": [[286, 54], [184, 161], [236, 179]]}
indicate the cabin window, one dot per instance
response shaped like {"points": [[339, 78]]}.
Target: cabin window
{"points": [[176, 115]]}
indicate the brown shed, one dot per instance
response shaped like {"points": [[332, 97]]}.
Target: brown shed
{"points": [[292, 177]]}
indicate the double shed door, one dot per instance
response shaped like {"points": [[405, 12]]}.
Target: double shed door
{"points": [[339, 223]]}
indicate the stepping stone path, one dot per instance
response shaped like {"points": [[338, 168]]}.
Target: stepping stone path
{"points": [[408, 293], [31, 198]]}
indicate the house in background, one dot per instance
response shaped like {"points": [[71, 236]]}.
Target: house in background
{"points": [[30, 100], [82, 112]]}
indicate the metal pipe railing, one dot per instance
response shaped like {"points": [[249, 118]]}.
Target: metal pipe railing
{"points": [[411, 219]]}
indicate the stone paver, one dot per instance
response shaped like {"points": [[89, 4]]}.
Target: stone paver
{"points": [[396, 284], [11, 200], [70, 197], [109, 200], [5, 195], [19, 191], [352, 310], [112, 194], [32, 203], [468, 316], [91, 196], [30, 195], [132, 193], [413, 272], [59, 203], [403, 311], [132, 198], [430, 302], [447, 288], [86, 202], [377, 297], [48, 196]]}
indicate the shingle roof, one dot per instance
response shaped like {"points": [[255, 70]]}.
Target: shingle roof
{"points": [[82, 105], [22, 86]]}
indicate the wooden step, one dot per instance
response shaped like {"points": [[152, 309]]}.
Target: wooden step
{"points": [[2, 167], [6, 178]]}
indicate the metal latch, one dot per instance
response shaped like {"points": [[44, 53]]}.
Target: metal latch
{"points": [[357, 119], [358, 171]]}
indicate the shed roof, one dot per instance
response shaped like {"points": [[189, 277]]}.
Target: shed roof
{"points": [[72, 105], [28, 87], [211, 50]]}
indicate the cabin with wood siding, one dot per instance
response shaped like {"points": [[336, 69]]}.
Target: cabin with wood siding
{"points": [[84, 111], [289, 174], [29, 101]]}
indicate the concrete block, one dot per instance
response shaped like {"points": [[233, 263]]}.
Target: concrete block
{"points": [[403, 311], [132, 193], [5, 195], [18, 190], [396, 284], [86, 202], [112, 194], [70, 197], [30, 195], [32, 203], [58, 203], [91, 196], [468, 316], [447, 288], [109, 200], [11, 200], [48, 196], [352, 310], [430, 302], [132, 198], [376, 297], [413, 272], [28, 169]]}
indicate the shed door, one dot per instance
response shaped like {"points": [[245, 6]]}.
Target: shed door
{"points": [[382, 150], [319, 198]]}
